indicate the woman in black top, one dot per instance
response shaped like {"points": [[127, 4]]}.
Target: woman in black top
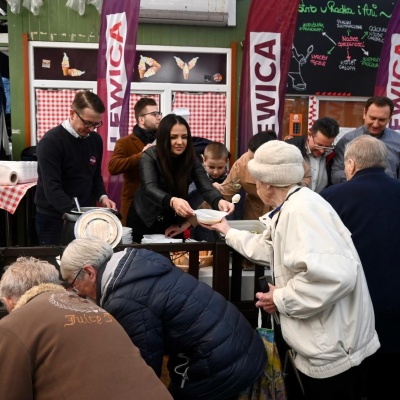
{"points": [[166, 170]]}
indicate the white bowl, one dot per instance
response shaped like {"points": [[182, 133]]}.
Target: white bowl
{"points": [[209, 217]]}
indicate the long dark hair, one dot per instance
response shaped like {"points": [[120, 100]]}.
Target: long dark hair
{"points": [[175, 170]]}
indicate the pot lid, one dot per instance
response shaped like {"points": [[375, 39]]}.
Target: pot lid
{"points": [[100, 224]]}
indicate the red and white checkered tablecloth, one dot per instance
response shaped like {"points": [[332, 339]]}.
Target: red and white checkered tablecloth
{"points": [[207, 113], [52, 108], [10, 196]]}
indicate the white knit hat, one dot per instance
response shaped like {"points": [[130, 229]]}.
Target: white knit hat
{"points": [[277, 163]]}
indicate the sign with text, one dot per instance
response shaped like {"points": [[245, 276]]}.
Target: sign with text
{"points": [[337, 47], [266, 56], [388, 77]]}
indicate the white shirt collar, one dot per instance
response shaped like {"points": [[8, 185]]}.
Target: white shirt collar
{"points": [[67, 125]]}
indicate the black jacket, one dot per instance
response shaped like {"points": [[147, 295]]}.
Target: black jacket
{"points": [[213, 350], [152, 198], [368, 206]]}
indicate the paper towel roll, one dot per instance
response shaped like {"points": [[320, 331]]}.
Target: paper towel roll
{"points": [[8, 177]]}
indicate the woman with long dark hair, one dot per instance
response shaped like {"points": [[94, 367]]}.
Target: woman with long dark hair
{"points": [[166, 170]]}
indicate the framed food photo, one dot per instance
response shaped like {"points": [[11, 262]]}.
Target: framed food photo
{"points": [[180, 67], [195, 78], [65, 64]]}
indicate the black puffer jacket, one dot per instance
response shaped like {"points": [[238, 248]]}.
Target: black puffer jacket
{"points": [[213, 350]]}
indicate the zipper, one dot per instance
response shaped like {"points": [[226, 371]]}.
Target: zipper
{"points": [[184, 373]]}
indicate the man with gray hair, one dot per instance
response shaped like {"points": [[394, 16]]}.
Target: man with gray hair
{"points": [[213, 352], [57, 345], [368, 204]]}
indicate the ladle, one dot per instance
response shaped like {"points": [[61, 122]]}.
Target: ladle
{"points": [[235, 198], [77, 204]]}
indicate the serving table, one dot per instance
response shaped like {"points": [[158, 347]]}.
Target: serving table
{"points": [[10, 198]]}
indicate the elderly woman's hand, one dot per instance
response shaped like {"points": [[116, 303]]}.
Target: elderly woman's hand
{"points": [[266, 300], [222, 227]]}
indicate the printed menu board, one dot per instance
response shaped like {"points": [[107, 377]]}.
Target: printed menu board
{"points": [[337, 47]]}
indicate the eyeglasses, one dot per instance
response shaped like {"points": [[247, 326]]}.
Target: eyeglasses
{"points": [[71, 285], [89, 124], [153, 113], [327, 149]]}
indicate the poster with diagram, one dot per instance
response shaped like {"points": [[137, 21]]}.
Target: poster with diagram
{"points": [[337, 46]]}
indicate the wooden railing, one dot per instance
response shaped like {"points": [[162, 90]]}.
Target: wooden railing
{"points": [[223, 256]]}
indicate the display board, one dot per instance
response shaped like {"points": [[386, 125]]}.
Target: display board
{"points": [[337, 47], [197, 79], [80, 64]]}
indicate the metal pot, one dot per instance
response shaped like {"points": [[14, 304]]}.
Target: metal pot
{"points": [[70, 218], [67, 234]]}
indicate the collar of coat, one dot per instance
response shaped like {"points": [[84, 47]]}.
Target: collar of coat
{"points": [[35, 291]]}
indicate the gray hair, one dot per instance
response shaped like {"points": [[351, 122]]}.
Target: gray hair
{"points": [[25, 273], [80, 252], [367, 152]]}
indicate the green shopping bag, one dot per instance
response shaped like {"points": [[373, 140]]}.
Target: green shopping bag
{"points": [[270, 385]]}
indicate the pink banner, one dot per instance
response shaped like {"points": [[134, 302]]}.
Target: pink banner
{"points": [[115, 67], [388, 75], [266, 58]]}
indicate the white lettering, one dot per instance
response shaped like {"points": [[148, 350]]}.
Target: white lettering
{"points": [[265, 76], [393, 84], [116, 76]]}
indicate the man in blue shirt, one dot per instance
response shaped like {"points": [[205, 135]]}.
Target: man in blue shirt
{"points": [[377, 113]]}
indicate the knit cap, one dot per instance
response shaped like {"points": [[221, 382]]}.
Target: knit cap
{"points": [[277, 163]]}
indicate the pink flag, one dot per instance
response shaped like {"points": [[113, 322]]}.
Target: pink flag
{"points": [[388, 76], [266, 58], [115, 66]]}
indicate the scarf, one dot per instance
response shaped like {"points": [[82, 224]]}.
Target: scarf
{"points": [[145, 136]]}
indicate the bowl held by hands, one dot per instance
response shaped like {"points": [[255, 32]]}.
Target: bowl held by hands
{"points": [[209, 217]]}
